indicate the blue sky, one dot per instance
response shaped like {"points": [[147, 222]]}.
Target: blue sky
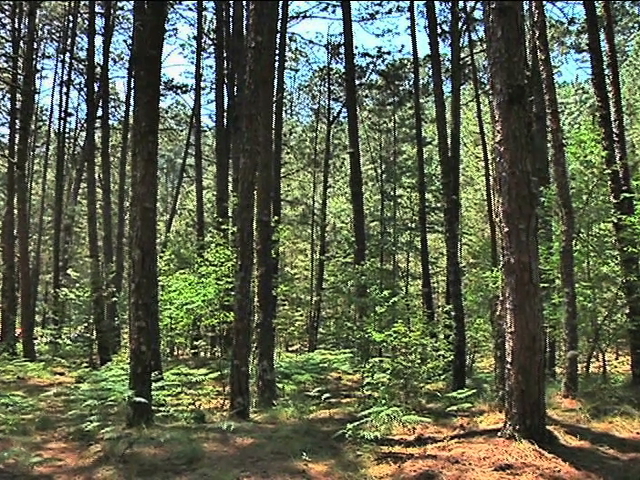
{"points": [[396, 38]]}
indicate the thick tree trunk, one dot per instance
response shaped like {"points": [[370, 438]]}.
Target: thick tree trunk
{"points": [[525, 392], [264, 195], [149, 18]]}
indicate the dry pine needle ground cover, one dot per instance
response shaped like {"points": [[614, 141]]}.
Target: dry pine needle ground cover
{"points": [[46, 435]]}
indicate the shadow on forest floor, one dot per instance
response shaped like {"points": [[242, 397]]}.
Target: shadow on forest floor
{"points": [[42, 438]]}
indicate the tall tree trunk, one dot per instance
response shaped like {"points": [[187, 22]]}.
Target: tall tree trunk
{"points": [[459, 374], [118, 275], [37, 261], [394, 204], [427, 289], [450, 173], [97, 300], [196, 327], [278, 126], [545, 219], [61, 154], [620, 143], [198, 130], [222, 142], [264, 220], [25, 117], [316, 315], [355, 169], [506, 52], [110, 299], [149, 19], [256, 152], [237, 79], [9, 288], [563, 186], [313, 223], [622, 194], [496, 327]]}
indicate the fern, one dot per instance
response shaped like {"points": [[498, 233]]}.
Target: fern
{"points": [[378, 421]]}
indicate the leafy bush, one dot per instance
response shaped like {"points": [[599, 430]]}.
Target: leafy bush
{"points": [[192, 297]]}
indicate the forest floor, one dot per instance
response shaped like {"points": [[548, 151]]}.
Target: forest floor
{"points": [[56, 424]]}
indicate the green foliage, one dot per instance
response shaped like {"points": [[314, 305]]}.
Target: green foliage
{"points": [[376, 422], [193, 293], [308, 371]]}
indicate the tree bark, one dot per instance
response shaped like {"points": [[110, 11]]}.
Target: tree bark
{"points": [[25, 117], [265, 206], [61, 154], [200, 227], [355, 170], [222, 130], [525, 393], [450, 174], [97, 300], [149, 18], [426, 287], [118, 276], [257, 151], [9, 288], [316, 315], [110, 299]]}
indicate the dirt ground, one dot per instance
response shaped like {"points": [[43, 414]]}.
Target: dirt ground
{"points": [[283, 446]]}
